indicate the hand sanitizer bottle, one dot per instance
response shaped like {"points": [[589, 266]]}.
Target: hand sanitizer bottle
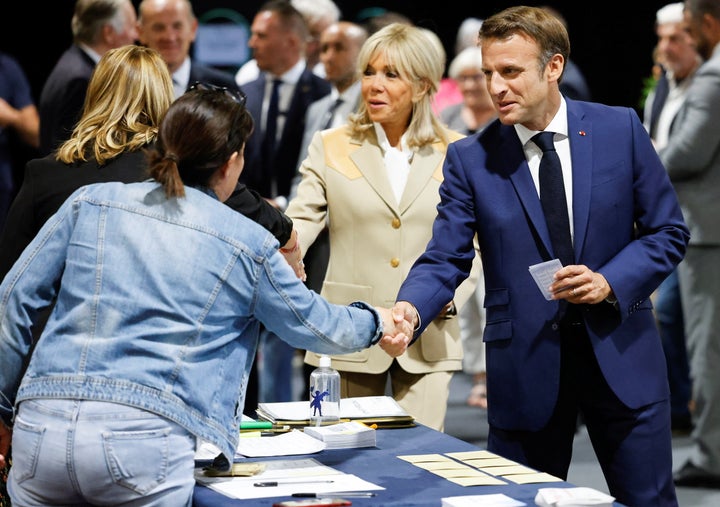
{"points": [[324, 394]]}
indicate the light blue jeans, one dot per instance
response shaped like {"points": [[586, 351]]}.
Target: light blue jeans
{"points": [[73, 452]]}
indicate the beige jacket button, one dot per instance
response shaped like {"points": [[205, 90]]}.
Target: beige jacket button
{"points": [[395, 262], [396, 223]]}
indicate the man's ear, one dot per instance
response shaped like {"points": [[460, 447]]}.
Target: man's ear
{"points": [[555, 66]]}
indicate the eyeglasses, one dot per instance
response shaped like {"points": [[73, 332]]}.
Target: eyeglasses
{"points": [[236, 95]]}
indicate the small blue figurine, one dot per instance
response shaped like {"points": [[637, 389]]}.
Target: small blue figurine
{"points": [[316, 402]]}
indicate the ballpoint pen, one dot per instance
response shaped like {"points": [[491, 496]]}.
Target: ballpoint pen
{"points": [[268, 484], [349, 494]]}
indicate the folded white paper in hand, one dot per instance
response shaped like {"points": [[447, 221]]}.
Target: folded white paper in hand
{"points": [[543, 275], [572, 497]]}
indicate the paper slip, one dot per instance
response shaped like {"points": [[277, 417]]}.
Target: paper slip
{"points": [[543, 275], [343, 435], [420, 458], [532, 478], [490, 462], [459, 472], [510, 470], [496, 500], [291, 475], [477, 481], [291, 443], [441, 465], [557, 497], [463, 455]]}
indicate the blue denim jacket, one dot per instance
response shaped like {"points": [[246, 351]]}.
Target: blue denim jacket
{"points": [[159, 303]]}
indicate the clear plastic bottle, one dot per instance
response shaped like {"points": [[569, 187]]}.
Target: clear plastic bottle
{"points": [[324, 394]]}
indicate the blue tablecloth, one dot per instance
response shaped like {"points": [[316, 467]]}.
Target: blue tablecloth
{"points": [[407, 485]]}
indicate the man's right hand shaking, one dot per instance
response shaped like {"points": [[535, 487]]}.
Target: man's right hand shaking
{"points": [[396, 334], [404, 311]]}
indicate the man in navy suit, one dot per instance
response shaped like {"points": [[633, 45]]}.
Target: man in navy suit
{"points": [[170, 27], [97, 26], [593, 347]]}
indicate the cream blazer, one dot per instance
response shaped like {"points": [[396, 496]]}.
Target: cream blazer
{"points": [[374, 240]]}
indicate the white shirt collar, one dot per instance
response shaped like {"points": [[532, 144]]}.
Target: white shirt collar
{"points": [[351, 94], [558, 124], [94, 55], [181, 77], [385, 144], [292, 76]]}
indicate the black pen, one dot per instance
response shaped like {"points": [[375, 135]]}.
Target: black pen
{"points": [[349, 494], [269, 484]]}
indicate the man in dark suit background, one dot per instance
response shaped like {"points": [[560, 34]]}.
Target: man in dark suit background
{"points": [[593, 347], [97, 26], [278, 36], [170, 27], [277, 39]]}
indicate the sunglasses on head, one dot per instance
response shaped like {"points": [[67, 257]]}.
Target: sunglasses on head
{"points": [[236, 95]]}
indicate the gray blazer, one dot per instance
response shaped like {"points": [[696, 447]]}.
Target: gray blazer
{"points": [[692, 155]]}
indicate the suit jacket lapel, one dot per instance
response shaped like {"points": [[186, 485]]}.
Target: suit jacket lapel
{"points": [[513, 157], [369, 160], [580, 134], [424, 165]]}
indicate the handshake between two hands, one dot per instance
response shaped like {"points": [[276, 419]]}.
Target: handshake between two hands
{"points": [[399, 324]]}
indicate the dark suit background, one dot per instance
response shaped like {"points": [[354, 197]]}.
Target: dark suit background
{"points": [[62, 98], [207, 74], [308, 89]]}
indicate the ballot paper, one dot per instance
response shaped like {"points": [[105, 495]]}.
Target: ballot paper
{"points": [[491, 500], [543, 275], [343, 435], [287, 477], [292, 443], [572, 497]]}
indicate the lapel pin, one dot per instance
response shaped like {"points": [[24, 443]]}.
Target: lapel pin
{"points": [[582, 132]]}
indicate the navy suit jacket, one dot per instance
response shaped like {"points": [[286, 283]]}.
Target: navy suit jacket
{"points": [[63, 96], [627, 226], [309, 88], [205, 74]]}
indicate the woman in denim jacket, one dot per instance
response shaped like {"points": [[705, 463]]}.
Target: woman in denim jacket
{"points": [[160, 291]]}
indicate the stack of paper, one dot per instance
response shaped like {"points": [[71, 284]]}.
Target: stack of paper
{"points": [[343, 435], [492, 500], [382, 411], [572, 497]]}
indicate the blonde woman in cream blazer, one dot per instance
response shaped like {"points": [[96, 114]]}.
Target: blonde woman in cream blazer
{"points": [[374, 236]]}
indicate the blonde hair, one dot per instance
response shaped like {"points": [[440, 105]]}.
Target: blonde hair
{"points": [[128, 94], [419, 59]]}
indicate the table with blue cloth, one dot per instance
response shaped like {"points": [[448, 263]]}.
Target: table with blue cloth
{"points": [[406, 484]]}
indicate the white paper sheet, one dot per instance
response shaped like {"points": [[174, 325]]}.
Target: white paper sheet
{"points": [[292, 443], [543, 275], [293, 476]]}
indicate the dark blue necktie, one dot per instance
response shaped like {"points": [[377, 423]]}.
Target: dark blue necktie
{"points": [[552, 198], [270, 137], [330, 113]]}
